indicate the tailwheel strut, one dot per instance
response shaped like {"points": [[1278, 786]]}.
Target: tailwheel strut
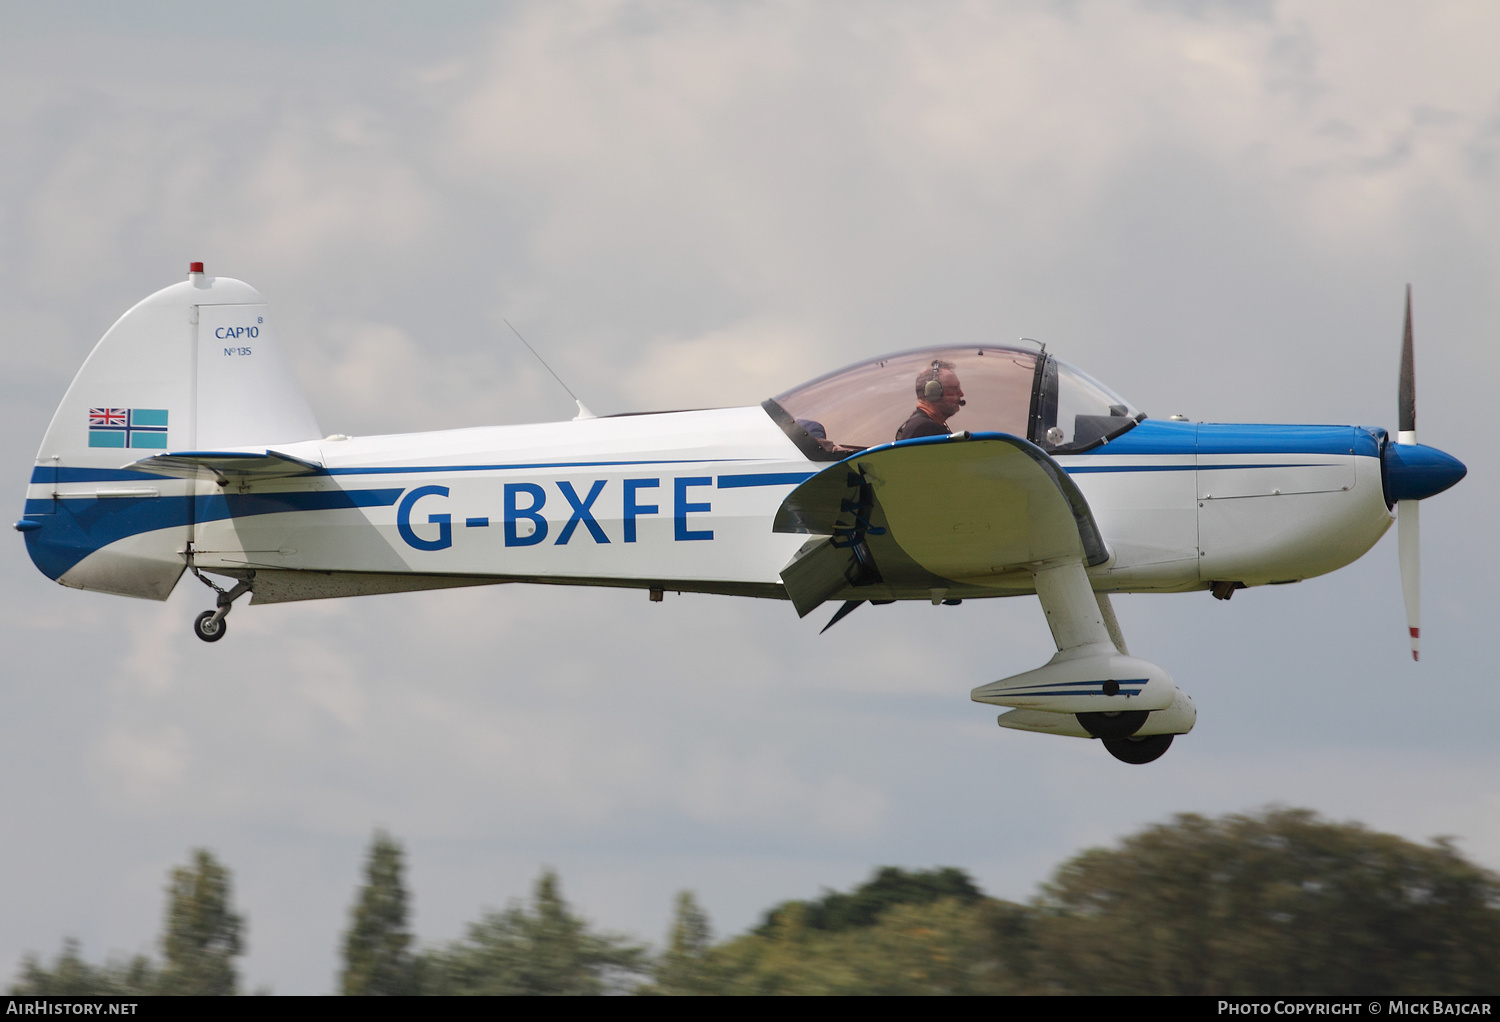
{"points": [[211, 626]]}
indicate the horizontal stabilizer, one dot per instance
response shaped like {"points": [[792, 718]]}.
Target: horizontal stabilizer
{"points": [[226, 465]]}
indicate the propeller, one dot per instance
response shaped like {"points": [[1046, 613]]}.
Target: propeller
{"points": [[1410, 473], [1408, 519]]}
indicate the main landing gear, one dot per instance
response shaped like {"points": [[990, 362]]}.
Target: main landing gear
{"points": [[1117, 731], [1138, 750], [211, 626]]}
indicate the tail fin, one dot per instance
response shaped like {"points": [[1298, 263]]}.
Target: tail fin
{"points": [[193, 367]]}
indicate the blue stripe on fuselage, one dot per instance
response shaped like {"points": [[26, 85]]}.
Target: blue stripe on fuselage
{"points": [[43, 473], [401, 469], [76, 526], [1233, 438], [1083, 469], [764, 479], [1154, 436], [81, 525]]}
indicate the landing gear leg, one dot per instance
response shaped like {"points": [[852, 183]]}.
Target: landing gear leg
{"points": [[211, 626]]}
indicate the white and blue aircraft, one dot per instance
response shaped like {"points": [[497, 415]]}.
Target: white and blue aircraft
{"points": [[185, 444]]}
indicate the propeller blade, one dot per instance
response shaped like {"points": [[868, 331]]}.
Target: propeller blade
{"points": [[1406, 399], [1408, 519], [1408, 543]]}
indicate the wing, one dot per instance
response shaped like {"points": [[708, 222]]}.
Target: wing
{"points": [[226, 465], [933, 512]]}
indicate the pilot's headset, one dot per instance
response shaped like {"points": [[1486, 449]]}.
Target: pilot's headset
{"points": [[932, 390]]}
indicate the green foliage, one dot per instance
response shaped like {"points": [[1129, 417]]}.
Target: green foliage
{"points": [[546, 950], [71, 976], [201, 936], [200, 939], [1279, 903], [377, 947], [900, 932], [888, 887], [683, 968], [937, 947]]}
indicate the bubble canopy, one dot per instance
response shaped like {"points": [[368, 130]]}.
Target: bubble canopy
{"points": [[1004, 390]]}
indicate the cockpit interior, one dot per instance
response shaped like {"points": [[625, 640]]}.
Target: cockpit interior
{"points": [[1004, 390]]}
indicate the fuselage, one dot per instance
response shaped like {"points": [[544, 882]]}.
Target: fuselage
{"points": [[126, 496], [681, 501]]}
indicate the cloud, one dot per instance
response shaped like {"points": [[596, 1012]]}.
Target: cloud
{"points": [[144, 770], [748, 362], [738, 123], [319, 189]]}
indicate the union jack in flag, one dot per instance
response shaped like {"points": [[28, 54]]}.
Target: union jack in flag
{"points": [[128, 427], [109, 418]]}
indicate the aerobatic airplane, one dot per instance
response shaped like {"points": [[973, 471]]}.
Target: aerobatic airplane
{"points": [[185, 444]]}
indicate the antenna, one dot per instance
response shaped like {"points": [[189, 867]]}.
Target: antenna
{"points": [[583, 413], [1033, 340]]}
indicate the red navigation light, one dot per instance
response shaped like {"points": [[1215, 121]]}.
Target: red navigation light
{"points": [[195, 267]]}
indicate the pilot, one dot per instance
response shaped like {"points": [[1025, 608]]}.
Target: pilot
{"points": [[939, 397]]}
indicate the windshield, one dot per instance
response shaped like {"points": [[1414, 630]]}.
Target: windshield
{"points": [[1076, 411], [935, 391]]}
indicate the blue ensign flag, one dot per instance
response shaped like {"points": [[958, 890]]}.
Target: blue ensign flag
{"points": [[128, 427]]}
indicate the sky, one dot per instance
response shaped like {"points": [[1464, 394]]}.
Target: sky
{"points": [[1212, 207]]}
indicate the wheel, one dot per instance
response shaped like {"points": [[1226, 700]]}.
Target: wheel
{"points": [[1138, 750], [1115, 725], [209, 630]]}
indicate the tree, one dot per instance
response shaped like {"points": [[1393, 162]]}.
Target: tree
{"points": [[377, 946], [900, 932], [201, 934], [1282, 902], [547, 950], [71, 976], [940, 947], [887, 887], [683, 968]]}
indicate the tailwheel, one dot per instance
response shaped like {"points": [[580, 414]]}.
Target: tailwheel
{"points": [[1138, 750], [210, 626]]}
